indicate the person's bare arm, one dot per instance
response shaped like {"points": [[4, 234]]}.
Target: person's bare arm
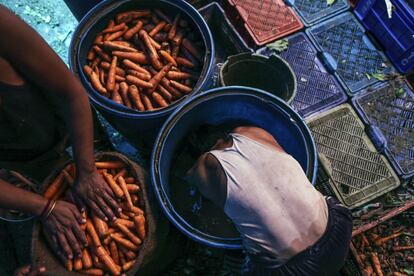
{"points": [[29, 54]]}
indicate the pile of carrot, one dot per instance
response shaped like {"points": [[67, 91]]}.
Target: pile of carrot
{"points": [[112, 247], [387, 249], [145, 60]]}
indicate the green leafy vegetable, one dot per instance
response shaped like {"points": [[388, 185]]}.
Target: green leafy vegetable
{"points": [[378, 76], [330, 2], [399, 92], [279, 45]]}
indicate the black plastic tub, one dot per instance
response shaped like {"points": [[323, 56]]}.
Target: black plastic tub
{"points": [[135, 126]]}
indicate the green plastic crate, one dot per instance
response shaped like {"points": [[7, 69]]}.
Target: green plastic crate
{"points": [[357, 172]]}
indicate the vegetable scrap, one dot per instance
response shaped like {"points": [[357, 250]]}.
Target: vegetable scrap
{"points": [[387, 249], [112, 247], [279, 46], [145, 60]]}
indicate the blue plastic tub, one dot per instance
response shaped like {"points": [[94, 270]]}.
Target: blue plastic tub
{"points": [[390, 121], [220, 106], [396, 35], [313, 11], [135, 126], [317, 89], [347, 52]]}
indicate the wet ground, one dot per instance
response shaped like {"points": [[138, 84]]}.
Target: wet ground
{"points": [[52, 19]]}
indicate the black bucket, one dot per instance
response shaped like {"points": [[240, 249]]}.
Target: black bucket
{"points": [[271, 74], [135, 126]]}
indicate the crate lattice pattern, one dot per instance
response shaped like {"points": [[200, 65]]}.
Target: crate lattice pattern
{"points": [[394, 116]]}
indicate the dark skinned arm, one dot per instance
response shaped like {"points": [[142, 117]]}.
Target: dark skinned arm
{"points": [[30, 55]]}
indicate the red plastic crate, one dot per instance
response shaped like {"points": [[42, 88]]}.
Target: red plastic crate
{"points": [[262, 21]]}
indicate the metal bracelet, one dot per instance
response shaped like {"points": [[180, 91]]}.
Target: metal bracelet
{"points": [[50, 210]]}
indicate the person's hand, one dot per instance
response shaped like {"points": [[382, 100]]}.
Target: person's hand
{"points": [[27, 270], [92, 189], [62, 229]]}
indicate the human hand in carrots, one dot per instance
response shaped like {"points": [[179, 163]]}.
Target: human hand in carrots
{"points": [[62, 228], [91, 190]]}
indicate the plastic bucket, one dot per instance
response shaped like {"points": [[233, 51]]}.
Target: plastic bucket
{"points": [[271, 74], [80, 7], [219, 106], [135, 126]]}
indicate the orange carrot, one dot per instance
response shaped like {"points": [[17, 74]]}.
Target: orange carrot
{"points": [[159, 99], [124, 216], [123, 185], [139, 75], [121, 257], [109, 165], [165, 94], [113, 46], [108, 261], [135, 199], [130, 180], [124, 242], [136, 98], [185, 62], [94, 80], [376, 263], [122, 173], [128, 233], [91, 55], [133, 188], [175, 92], [113, 249], [98, 39], [187, 44], [93, 272], [114, 186], [123, 91], [403, 248], [133, 56], [157, 28], [156, 79], [54, 187], [92, 232], [168, 57], [102, 76], [69, 265], [154, 43], [119, 71], [115, 28], [128, 265], [174, 75], [147, 102], [153, 55], [68, 178], [131, 15], [77, 264], [129, 255], [138, 82], [101, 53], [116, 35], [86, 259], [110, 82], [125, 222], [116, 97], [173, 30], [380, 241], [100, 226], [183, 88], [140, 226], [130, 33], [135, 67]]}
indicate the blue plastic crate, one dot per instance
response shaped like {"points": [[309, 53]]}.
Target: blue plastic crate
{"points": [[395, 34], [391, 120], [317, 89], [347, 51], [312, 11]]}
